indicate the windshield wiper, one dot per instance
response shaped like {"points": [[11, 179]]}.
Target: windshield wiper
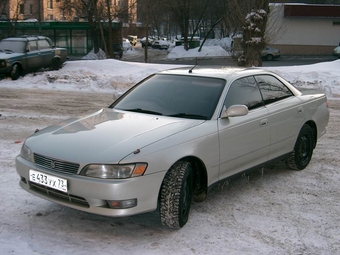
{"points": [[142, 111], [190, 116]]}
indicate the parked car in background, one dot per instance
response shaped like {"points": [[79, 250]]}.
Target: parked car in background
{"points": [[336, 51], [270, 53], [161, 44], [20, 55], [150, 41], [170, 139]]}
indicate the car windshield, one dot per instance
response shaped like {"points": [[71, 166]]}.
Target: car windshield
{"points": [[14, 46], [174, 95]]}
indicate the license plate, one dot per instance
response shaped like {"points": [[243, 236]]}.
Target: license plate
{"points": [[48, 180]]}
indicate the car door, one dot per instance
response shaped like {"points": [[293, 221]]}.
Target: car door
{"points": [[32, 56], [285, 114], [46, 52], [245, 140]]}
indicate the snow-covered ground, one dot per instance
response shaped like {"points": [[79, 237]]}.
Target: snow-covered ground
{"points": [[276, 211]]}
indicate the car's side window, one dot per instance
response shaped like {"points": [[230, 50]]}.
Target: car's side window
{"points": [[244, 91], [43, 44], [32, 45], [272, 89]]}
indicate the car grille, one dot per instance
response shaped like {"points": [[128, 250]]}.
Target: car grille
{"points": [[56, 194], [56, 165]]}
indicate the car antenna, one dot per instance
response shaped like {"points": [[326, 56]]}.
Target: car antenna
{"points": [[190, 71]]}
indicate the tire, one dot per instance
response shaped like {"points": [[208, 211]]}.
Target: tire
{"points": [[176, 195], [303, 149], [269, 57], [15, 72], [55, 65]]}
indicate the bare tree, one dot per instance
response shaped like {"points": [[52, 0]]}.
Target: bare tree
{"points": [[179, 11], [251, 17], [148, 10], [109, 13], [216, 14], [100, 15], [85, 9]]}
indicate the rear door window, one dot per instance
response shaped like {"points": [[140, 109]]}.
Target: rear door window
{"points": [[272, 89], [43, 44]]}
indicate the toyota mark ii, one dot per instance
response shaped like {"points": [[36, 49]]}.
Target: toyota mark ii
{"points": [[170, 139]]}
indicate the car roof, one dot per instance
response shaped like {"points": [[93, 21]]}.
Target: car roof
{"points": [[24, 38], [223, 72]]}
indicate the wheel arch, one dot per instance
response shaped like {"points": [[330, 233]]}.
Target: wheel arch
{"points": [[20, 71], [56, 56], [200, 188], [19, 64], [55, 63], [314, 128], [200, 175]]}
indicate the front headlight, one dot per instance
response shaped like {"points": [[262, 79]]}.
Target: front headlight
{"points": [[114, 171], [26, 153], [3, 63]]}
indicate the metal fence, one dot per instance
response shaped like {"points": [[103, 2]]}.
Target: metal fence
{"points": [[75, 36]]}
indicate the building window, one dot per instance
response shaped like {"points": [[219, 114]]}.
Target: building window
{"points": [[50, 4], [22, 9], [31, 9], [49, 17]]}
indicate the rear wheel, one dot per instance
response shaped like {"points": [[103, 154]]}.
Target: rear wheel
{"points": [[15, 72], [270, 57], [176, 195], [55, 64], [303, 149]]}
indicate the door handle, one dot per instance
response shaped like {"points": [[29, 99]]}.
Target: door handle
{"points": [[263, 122]]}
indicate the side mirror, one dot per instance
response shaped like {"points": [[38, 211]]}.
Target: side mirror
{"points": [[234, 111]]}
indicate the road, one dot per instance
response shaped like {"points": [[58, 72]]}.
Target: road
{"points": [[160, 57], [273, 211], [276, 211]]}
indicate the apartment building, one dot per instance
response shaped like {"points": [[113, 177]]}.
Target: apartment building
{"points": [[59, 10]]}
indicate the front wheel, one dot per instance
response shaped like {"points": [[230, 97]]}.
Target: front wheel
{"points": [[176, 195], [303, 150], [15, 72]]}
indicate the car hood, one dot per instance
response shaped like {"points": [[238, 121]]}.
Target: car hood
{"points": [[4, 55], [106, 136]]}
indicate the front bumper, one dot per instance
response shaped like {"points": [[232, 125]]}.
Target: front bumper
{"points": [[91, 194], [5, 70]]}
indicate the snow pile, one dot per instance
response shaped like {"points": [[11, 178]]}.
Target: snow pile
{"points": [[324, 76], [118, 76], [207, 52]]}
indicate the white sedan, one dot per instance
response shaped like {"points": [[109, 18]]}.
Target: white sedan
{"points": [[172, 138]]}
